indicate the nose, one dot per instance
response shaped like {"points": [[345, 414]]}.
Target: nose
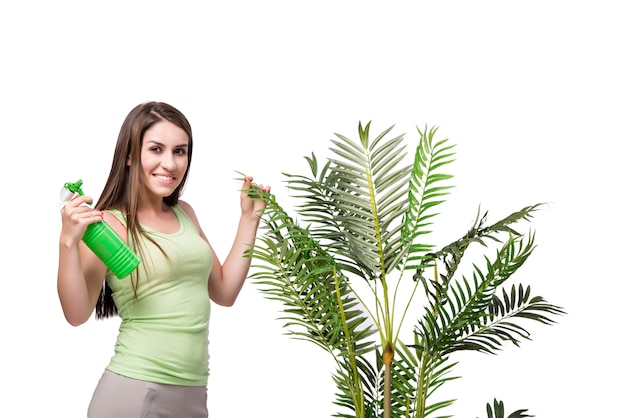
{"points": [[168, 161]]}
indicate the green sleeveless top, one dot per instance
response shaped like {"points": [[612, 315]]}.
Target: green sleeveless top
{"points": [[163, 335]]}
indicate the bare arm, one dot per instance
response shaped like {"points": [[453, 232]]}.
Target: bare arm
{"points": [[80, 273], [227, 279]]}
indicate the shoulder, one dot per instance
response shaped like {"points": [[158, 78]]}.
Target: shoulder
{"points": [[191, 214], [115, 222], [186, 207]]}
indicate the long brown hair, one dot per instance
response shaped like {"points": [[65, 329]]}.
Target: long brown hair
{"points": [[125, 184]]}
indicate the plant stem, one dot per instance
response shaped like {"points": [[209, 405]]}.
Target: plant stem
{"points": [[357, 389], [422, 387], [387, 360]]}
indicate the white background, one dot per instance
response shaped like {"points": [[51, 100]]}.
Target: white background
{"points": [[531, 92]]}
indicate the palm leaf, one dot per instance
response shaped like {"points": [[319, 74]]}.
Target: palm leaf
{"points": [[318, 303], [498, 411], [451, 254], [425, 189], [415, 378], [367, 197], [346, 394], [297, 272], [473, 317]]}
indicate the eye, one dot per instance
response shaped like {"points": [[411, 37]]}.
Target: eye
{"points": [[155, 149], [181, 151]]}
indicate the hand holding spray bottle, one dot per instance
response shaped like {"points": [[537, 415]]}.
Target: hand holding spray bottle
{"points": [[103, 240]]}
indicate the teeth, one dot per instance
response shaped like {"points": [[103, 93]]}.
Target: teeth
{"points": [[166, 178]]}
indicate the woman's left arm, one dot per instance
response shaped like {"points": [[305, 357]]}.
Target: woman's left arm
{"points": [[227, 279]]}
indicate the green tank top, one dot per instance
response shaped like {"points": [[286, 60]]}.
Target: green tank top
{"points": [[163, 334]]}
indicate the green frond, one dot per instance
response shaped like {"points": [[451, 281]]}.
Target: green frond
{"points": [[358, 200], [470, 316], [369, 405], [498, 411], [351, 152], [383, 171], [450, 255], [425, 188], [364, 135], [296, 271], [368, 196], [518, 303]]}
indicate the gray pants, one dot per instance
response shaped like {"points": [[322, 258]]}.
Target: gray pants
{"points": [[121, 397]]}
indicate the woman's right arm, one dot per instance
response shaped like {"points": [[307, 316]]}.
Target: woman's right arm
{"points": [[81, 273]]}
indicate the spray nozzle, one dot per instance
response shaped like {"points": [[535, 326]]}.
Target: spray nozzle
{"points": [[74, 187], [70, 190]]}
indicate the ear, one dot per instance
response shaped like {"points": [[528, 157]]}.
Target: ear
{"points": [[128, 161]]}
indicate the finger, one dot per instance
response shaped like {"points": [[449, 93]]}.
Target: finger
{"points": [[78, 210], [82, 214], [247, 181], [79, 200], [92, 217], [97, 216]]}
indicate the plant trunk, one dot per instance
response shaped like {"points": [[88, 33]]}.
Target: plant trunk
{"points": [[387, 361]]}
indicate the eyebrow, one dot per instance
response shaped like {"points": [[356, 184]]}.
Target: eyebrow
{"points": [[160, 144]]}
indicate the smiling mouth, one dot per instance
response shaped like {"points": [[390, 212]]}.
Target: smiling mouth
{"points": [[163, 178]]}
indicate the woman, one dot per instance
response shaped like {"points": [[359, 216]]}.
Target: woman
{"points": [[160, 364]]}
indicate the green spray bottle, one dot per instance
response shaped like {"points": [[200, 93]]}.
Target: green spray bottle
{"points": [[103, 240]]}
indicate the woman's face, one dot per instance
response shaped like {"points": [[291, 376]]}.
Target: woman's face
{"points": [[164, 158]]}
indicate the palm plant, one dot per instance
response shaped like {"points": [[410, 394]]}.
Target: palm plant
{"points": [[348, 270]]}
